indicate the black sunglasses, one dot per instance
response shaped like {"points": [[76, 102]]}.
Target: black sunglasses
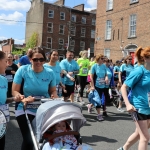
{"points": [[130, 59], [38, 59]]}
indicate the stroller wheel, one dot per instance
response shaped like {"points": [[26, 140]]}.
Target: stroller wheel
{"points": [[115, 102]]}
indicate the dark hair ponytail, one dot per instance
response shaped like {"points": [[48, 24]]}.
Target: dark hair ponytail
{"points": [[138, 55], [2, 55]]}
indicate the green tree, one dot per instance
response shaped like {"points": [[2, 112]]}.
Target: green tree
{"points": [[33, 40]]}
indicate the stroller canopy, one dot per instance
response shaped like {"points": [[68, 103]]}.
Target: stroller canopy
{"points": [[52, 112]]}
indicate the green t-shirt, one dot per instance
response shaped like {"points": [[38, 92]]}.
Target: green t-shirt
{"points": [[85, 66], [91, 64]]}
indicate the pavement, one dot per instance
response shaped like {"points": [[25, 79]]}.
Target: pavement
{"points": [[109, 134]]}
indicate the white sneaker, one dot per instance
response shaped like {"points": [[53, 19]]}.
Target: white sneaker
{"points": [[120, 109], [100, 118]]}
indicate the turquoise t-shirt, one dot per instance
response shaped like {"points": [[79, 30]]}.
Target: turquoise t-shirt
{"points": [[69, 67], [126, 68], [35, 84], [3, 89], [101, 71], [116, 69], [57, 71], [109, 74], [139, 82]]}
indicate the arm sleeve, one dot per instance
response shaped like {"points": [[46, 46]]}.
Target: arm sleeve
{"points": [[18, 76], [93, 69], [122, 68], [62, 65], [53, 79]]}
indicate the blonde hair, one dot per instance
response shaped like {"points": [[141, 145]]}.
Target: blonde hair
{"points": [[83, 52]]}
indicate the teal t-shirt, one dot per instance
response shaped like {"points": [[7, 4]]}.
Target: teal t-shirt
{"points": [[3, 89], [126, 68], [57, 71], [69, 66], [139, 82], [116, 69], [35, 84], [109, 74], [101, 71]]}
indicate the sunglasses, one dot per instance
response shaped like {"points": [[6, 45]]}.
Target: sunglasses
{"points": [[9, 57], [38, 59], [129, 59]]}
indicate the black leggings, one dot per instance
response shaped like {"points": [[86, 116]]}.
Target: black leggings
{"points": [[2, 143], [106, 94], [27, 143], [82, 81]]}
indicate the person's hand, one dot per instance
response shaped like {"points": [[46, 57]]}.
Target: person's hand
{"points": [[92, 88], [72, 79], [13, 72], [18, 97], [28, 99], [130, 108], [70, 73]]}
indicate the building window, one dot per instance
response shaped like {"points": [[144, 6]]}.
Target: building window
{"points": [[132, 30], [49, 43], [50, 27], [92, 47], [83, 20], [82, 45], [83, 31], [72, 45], [108, 29], [73, 31], [107, 53], [133, 1], [62, 16], [109, 4], [61, 29], [61, 44], [92, 33], [73, 18], [93, 22], [51, 14]]}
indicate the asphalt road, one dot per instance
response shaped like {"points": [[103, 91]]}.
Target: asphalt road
{"points": [[107, 135]]}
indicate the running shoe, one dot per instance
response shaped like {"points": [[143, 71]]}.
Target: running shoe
{"points": [[120, 109], [105, 114], [121, 148], [100, 118]]}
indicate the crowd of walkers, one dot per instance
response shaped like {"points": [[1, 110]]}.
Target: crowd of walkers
{"points": [[32, 76]]}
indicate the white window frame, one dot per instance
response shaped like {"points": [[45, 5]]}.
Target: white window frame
{"points": [[63, 29], [106, 50], [61, 44], [133, 1], [91, 47], [132, 25], [83, 32], [51, 13], [72, 30], [73, 18], [48, 27], [108, 30], [83, 20], [49, 43], [93, 34], [93, 21], [109, 5], [82, 45], [62, 15]]}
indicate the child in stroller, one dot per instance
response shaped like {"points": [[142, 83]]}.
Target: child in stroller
{"points": [[61, 142]]}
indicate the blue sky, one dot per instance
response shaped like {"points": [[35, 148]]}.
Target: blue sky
{"points": [[16, 10]]}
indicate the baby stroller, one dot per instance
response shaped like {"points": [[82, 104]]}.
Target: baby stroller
{"points": [[115, 98], [53, 112]]}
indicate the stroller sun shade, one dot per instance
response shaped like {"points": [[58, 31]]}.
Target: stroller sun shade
{"points": [[52, 112]]}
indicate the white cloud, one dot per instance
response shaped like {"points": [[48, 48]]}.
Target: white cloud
{"points": [[17, 41], [92, 3], [23, 5], [4, 19]]}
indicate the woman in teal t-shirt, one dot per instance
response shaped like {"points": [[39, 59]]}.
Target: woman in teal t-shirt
{"points": [[139, 103], [39, 82]]}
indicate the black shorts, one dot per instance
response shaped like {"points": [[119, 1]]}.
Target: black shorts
{"points": [[138, 116], [70, 90], [116, 79]]}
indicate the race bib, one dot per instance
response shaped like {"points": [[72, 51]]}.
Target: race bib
{"points": [[84, 71], [9, 78], [35, 104], [5, 109], [148, 97], [101, 81]]}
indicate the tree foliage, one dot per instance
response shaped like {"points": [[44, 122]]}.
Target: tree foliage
{"points": [[33, 40]]}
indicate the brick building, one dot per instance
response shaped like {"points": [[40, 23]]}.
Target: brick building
{"points": [[122, 26], [7, 45], [58, 25]]}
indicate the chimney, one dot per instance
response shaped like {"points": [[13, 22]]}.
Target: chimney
{"points": [[60, 2], [79, 7]]}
